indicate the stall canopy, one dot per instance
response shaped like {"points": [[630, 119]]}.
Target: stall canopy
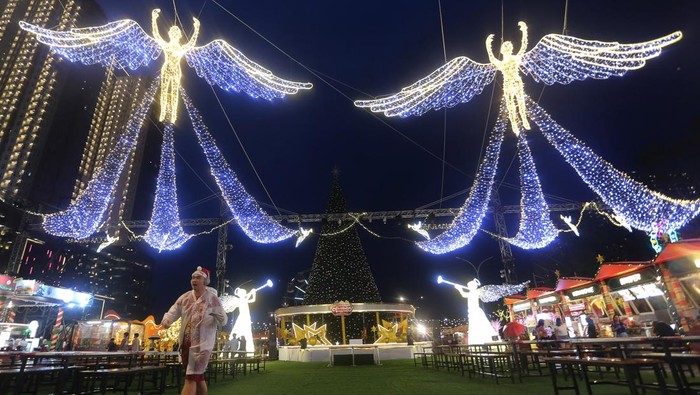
{"points": [[565, 283], [535, 292], [614, 269], [680, 249]]}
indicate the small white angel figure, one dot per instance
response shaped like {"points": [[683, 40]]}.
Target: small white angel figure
{"points": [[480, 329], [243, 324]]}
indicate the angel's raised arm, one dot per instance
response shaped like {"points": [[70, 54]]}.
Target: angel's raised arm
{"points": [[489, 50], [154, 24], [193, 39], [523, 41]]}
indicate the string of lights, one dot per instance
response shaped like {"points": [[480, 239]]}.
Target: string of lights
{"points": [[467, 222], [120, 44], [563, 59], [254, 222], [221, 64], [458, 81], [630, 200], [86, 214], [164, 229], [536, 228]]}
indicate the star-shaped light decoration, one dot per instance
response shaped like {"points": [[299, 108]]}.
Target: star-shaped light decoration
{"points": [[312, 334], [600, 259], [392, 332]]}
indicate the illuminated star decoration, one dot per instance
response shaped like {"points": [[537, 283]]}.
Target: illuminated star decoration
{"points": [[570, 224], [418, 228], [554, 59], [312, 334], [124, 44], [387, 333]]}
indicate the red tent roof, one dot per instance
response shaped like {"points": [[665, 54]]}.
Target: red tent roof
{"points": [[565, 283], [612, 269], [513, 299], [535, 292], [678, 250]]}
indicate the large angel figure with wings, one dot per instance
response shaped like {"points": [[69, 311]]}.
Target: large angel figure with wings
{"points": [[555, 58], [124, 44]]}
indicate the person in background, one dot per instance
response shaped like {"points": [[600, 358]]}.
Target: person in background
{"points": [[561, 332], [618, 327], [201, 312], [231, 345], [591, 329], [541, 331], [111, 346], [136, 343], [242, 346], [124, 345]]}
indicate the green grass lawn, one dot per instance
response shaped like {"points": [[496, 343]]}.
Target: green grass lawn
{"points": [[392, 377]]}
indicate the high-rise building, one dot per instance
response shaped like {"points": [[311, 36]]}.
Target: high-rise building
{"points": [[27, 87], [120, 279], [118, 98]]}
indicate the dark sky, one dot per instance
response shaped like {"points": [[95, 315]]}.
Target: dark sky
{"points": [[646, 122]]}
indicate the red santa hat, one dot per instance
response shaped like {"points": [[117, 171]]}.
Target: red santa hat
{"points": [[204, 273]]}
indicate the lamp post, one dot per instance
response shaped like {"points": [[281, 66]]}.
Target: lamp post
{"points": [[476, 268]]}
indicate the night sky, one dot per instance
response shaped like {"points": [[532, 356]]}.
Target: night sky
{"points": [[645, 122]]}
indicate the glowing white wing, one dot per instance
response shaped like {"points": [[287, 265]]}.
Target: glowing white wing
{"points": [[456, 82], [221, 64], [562, 59], [120, 44], [492, 293]]}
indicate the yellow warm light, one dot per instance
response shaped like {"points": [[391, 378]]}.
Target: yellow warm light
{"points": [[171, 73], [314, 336], [513, 87]]}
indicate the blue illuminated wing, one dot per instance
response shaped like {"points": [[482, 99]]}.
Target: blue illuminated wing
{"points": [[493, 293], [563, 59], [120, 44], [223, 65], [456, 82]]}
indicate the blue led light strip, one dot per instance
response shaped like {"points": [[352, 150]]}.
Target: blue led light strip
{"points": [[467, 222], [630, 200], [84, 216], [164, 230], [536, 228], [254, 222]]}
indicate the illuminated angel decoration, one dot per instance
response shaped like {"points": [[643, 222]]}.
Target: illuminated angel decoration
{"points": [[124, 44], [241, 300], [480, 329], [555, 58]]}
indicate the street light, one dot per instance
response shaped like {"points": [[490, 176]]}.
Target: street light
{"points": [[476, 268]]}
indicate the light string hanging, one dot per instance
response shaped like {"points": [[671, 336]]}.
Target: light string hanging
{"points": [[630, 200], [87, 213], [536, 229], [555, 58], [252, 219], [164, 229], [125, 44], [467, 222]]}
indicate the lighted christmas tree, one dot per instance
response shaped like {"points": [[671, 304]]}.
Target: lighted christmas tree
{"points": [[340, 271]]}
